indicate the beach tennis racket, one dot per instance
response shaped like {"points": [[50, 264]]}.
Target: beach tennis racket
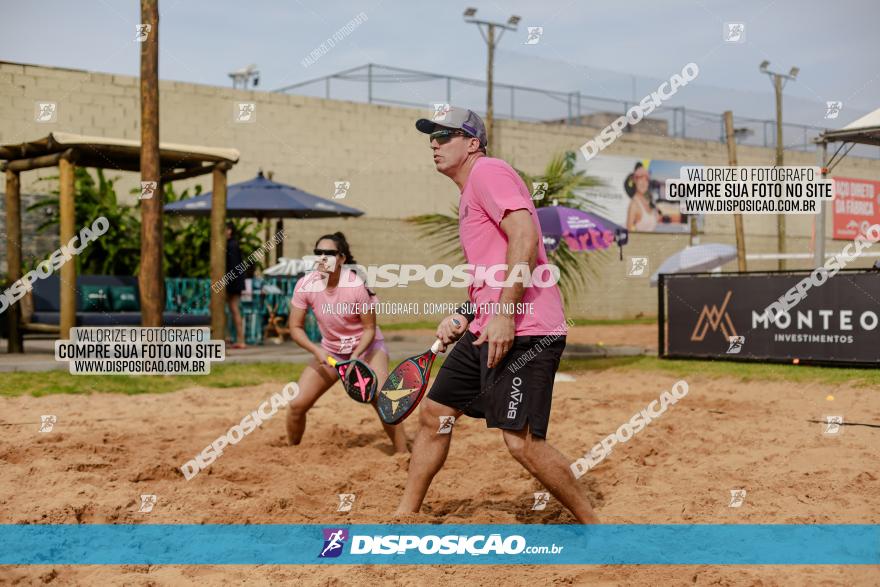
{"points": [[405, 386], [357, 378]]}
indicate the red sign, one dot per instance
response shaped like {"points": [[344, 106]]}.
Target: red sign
{"points": [[856, 206]]}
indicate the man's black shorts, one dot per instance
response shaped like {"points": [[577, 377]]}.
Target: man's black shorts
{"points": [[516, 393]]}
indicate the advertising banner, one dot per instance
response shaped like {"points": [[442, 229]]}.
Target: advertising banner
{"points": [[723, 316], [856, 206]]}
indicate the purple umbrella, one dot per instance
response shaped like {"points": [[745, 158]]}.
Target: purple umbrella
{"points": [[582, 231]]}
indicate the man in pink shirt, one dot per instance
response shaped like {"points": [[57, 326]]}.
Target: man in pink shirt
{"points": [[504, 363]]}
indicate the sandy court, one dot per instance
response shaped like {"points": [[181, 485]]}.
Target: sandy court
{"points": [[107, 450], [639, 335]]}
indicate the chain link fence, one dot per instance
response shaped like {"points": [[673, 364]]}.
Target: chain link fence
{"points": [[380, 84]]}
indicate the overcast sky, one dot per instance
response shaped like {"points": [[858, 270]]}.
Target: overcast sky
{"points": [[835, 44]]}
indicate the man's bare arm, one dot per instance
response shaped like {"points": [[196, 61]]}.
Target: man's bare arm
{"points": [[522, 248]]}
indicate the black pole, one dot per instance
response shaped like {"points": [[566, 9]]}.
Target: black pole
{"points": [[279, 249], [661, 315]]}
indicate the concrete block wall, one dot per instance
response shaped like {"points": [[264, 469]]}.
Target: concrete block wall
{"points": [[312, 142]]}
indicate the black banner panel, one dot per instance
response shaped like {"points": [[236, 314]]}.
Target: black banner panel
{"points": [[723, 316]]}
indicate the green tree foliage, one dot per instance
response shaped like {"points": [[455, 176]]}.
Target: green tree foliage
{"points": [[186, 240], [118, 251]]}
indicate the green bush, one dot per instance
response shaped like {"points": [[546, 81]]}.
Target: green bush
{"points": [[187, 251]]}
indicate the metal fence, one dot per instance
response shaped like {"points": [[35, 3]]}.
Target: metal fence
{"points": [[380, 84]]}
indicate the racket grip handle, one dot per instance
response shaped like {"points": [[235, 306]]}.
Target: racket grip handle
{"points": [[331, 361], [435, 348]]}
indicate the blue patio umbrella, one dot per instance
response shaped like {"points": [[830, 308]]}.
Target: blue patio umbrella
{"points": [[263, 198]]}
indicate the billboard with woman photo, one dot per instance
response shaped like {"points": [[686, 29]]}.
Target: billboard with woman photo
{"points": [[633, 192]]}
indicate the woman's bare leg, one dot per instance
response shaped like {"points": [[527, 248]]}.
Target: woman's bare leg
{"points": [[314, 381]]}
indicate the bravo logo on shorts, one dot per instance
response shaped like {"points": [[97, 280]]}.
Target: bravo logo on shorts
{"points": [[515, 398]]}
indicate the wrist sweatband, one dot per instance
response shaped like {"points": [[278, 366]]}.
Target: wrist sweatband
{"points": [[467, 310]]}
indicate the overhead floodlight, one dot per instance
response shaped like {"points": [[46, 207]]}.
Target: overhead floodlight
{"points": [[513, 20], [468, 12], [794, 71], [764, 65]]}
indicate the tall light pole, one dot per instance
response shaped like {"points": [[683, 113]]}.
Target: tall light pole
{"points": [[779, 80], [491, 41]]}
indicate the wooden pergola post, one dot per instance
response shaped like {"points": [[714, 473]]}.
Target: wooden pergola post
{"points": [[13, 256], [218, 251], [67, 282]]}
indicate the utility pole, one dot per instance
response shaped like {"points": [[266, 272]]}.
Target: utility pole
{"points": [[491, 42], [737, 218], [490, 103], [780, 218], [819, 251], [150, 280], [778, 80]]}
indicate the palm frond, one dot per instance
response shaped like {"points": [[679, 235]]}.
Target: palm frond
{"points": [[442, 229]]}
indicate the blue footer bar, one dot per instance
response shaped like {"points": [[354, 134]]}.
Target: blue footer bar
{"points": [[285, 544]]}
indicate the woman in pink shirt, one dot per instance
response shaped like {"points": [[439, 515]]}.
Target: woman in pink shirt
{"points": [[348, 331]]}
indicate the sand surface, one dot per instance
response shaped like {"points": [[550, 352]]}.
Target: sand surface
{"points": [[106, 450]]}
